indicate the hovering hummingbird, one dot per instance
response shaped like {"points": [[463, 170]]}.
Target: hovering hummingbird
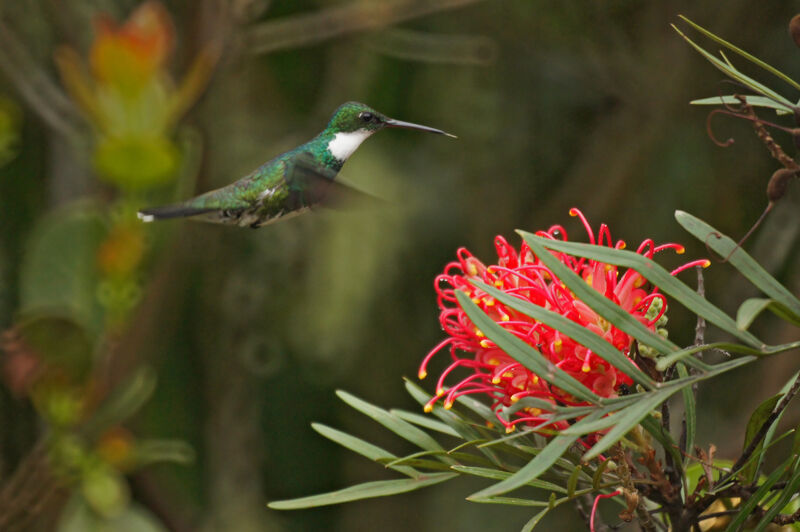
{"points": [[292, 182]]}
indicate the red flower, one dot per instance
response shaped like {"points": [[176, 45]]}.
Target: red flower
{"points": [[521, 274]]}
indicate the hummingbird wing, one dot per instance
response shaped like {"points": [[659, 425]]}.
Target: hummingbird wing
{"points": [[312, 184]]}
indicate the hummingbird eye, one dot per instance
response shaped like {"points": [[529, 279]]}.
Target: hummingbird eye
{"points": [[366, 116]]}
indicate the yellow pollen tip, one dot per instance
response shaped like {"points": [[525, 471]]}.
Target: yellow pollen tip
{"points": [[422, 374], [707, 263], [490, 303], [498, 283], [573, 212], [586, 368], [472, 270], [514, 398], [485, 344], [439, 391], [448, 405], [680, 251], [428, 408], [535, 379], [476, 300], [496, 380], [510, 429], [505, 317], [622, 245], [490, 269]]}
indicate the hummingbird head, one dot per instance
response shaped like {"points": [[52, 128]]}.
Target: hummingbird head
{"points": [[353, 122]]}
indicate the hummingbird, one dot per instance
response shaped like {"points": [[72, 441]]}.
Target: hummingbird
{"points": [[292, 182]]}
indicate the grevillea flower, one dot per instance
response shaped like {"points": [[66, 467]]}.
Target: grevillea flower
{"points": [[490, 371]]}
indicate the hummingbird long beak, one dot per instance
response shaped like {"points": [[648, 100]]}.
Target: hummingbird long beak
{"points": [[391, 122]]}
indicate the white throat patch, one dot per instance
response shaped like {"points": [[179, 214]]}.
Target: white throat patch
{"points": [[344, 144]]}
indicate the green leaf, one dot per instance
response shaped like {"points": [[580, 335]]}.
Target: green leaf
{"points": [[450, 418], [771, 431], [359, 446], [740, 260], [511, 501], [746, 510], [787, 494], [496, 474], [530, 525], [755, 101], [757, 419], [379, 488], [627, 419], [524, 353], [538, 465], [402, 428], [413, 461], [653, 426], [758, 62], [424, 421], [733, 73], [651, 271], [751, 308], [573, 330], [58, 271]]}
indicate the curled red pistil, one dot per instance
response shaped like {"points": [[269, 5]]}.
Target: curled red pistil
{"points": [[520, 273]]}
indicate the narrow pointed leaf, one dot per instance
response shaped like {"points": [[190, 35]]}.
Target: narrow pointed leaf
{"points": [[740, 260], [451, 419], [653, 426], [573, 330], [379, 488], [541, 463], [787, 494], [626, 420], [734, 73], [719, 40], [746, 510], [402, 428], [359, 446], [755, 101], [766, 444], [751, 308], [424, 421], [650, 270], [684, 355], [524, 353], [496, 474], [757, 419], [530, 525]]}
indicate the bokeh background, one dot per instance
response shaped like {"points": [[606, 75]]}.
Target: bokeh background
{"points": [[249, 333]]}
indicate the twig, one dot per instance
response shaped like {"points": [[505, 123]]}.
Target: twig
{"points": [[630, 492], [307, 29], [700, 328]]}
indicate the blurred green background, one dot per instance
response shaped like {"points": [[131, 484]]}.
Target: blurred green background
{"points": [[556, 104]]}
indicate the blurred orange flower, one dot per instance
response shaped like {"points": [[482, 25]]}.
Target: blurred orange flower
{"points": [[129, 97]]}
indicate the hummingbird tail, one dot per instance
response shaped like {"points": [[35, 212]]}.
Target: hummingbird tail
{"points": [[171, 211]]}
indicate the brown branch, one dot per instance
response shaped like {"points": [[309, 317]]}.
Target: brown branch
{"points": [[307, 29]]}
